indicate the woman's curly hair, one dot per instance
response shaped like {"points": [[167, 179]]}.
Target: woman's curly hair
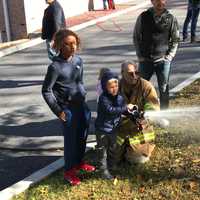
{"points": [[59, 38]]}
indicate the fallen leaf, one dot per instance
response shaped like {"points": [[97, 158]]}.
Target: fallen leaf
{"points": [[115, 181], [141, 189], [196, 161], [193, 185]]}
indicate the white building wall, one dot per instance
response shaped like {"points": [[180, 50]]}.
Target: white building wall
{"points": [[34, 10]]}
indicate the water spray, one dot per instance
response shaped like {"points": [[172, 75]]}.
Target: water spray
{"points": [[177, 120], [174, 113]]}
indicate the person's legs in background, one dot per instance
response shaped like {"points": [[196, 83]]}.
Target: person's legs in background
{"points": [[51, 52], [90, 5], [186, 22], [111, 4], [146, 69], [195, 15], [105, 4], [162, 70]]}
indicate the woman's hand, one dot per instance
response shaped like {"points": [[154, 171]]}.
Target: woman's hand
{"points": [[62, 116]]}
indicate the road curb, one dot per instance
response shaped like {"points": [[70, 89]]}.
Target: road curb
{"points": [[37, 41], [34, 178], [184, 84], [20, 47], [24, 184]]}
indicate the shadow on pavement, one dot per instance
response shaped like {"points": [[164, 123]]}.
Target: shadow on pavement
{"points": [[19, 83], [24, 166], [176, 3]]}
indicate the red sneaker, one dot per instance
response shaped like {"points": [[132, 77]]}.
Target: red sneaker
{"points": [[71, 177], [86, 167]]}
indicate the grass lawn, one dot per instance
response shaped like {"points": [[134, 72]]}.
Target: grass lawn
{"points": [[172, 174]]}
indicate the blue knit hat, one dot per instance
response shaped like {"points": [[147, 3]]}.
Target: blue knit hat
{"points": [[106, 77]]}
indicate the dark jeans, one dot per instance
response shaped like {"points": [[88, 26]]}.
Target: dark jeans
{"points": [[162, 70], [104, 4], [192, 14], [111, 4], [75, 131], [106, 148], [51, 52]]}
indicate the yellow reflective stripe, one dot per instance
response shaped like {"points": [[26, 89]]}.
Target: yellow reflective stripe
{"points": [[137, 139], [149, 136], [144, 137], [133, 141]]}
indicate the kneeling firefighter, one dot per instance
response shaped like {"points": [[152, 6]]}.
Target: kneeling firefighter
{"points": [[135, 134]]}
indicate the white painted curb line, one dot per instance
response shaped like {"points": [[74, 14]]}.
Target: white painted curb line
{"points": [[37, 41], [19, 47], [24, 184], [185, 83]]}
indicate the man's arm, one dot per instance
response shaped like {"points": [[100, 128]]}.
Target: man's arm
{"points": [[174, 40], [58, 18], [137, 36]]}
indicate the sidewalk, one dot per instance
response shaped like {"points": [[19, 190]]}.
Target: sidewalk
{"points": [[86, 19]]}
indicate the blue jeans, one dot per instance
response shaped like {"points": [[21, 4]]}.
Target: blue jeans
{"points": [[162, 70], [111, 4], [51, 52], [105, 4], [75, 131], [192, 14]]}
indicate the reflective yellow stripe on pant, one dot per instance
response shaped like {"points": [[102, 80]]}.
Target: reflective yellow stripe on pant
{"points": [[138, 138]]}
